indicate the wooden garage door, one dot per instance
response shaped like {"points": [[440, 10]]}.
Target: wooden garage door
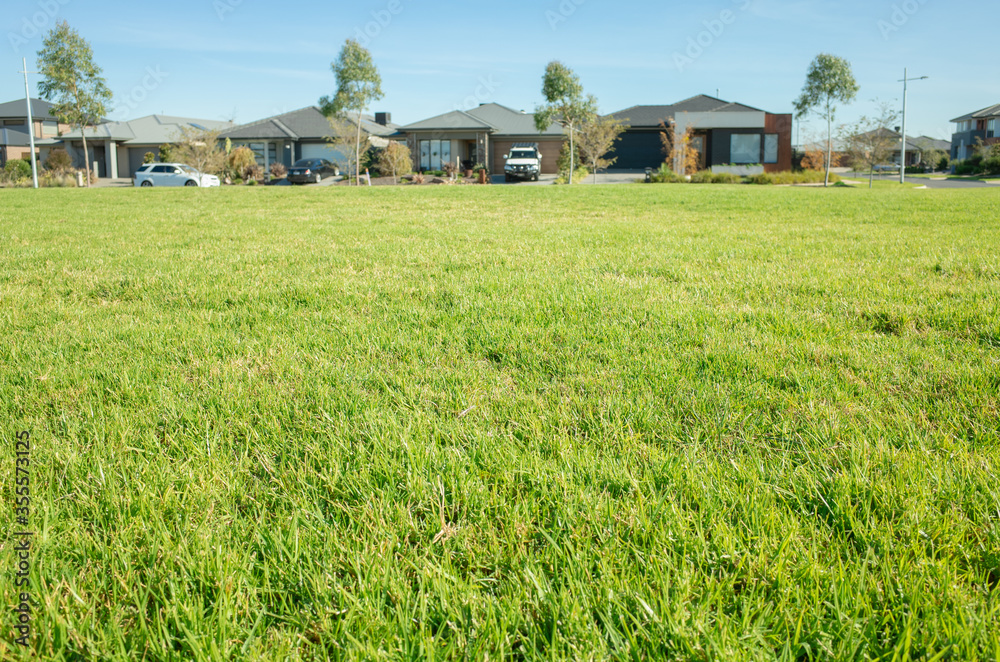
{"points": [[548, 148]]}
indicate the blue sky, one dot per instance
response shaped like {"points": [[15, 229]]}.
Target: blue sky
{"points": [[244, 60]]}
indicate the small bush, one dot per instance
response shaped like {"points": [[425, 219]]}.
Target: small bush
{"points": [[278, 170], [252, 172], [787, 178], [418, 179], [579, 176], [16, 171], [59, 161], [943, 164], [666, 176], [149, 157], [52, 179], [965, 168]]}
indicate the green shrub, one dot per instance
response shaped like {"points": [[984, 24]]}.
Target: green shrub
{"points": [[16, 171], [149, 157], [666, 176], [788, 177], [943, 164], [709, 177], [579, 175], [966, 168]]}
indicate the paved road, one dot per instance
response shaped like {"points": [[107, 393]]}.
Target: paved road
{"points": [[613, 177]]}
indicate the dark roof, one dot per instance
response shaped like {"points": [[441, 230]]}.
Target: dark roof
{"points": [[926, 142], [307, 123], [18, 108], [702, 103], [15, 138], [990, 111], [493, 118]]}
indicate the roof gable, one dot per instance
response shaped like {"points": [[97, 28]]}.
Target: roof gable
{"points": [[18, 108], [307, 123]]}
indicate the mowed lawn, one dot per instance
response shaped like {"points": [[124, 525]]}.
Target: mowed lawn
{"points": [[632, 422]]}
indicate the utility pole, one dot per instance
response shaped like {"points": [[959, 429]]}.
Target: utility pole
{"points": [[902, 148], [31, 121]]}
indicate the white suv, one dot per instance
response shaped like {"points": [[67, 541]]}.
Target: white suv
{"points": [[172, 174]]}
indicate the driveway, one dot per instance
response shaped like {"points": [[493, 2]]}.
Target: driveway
{"points": [[944, 182]]}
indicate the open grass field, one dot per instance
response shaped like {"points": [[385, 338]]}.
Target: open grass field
{"points": [[636, 423]]}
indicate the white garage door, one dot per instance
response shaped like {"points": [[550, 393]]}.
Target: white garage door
{"points": [[322, 151]]}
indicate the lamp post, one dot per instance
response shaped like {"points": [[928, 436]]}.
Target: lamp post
{"points": [[31, 122], [902, 146]]}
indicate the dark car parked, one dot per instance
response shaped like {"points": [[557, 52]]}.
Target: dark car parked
{"points": [[307, 171]]}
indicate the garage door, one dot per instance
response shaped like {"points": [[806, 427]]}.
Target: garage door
{"points": [[548, 148], [135, 157], [323, 151], [639, 149]]}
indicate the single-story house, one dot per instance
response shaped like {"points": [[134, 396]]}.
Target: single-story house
{"points": [[301, 134], [724, 133], [15, 142], [481, 135], [118, 148], [983, 124]]}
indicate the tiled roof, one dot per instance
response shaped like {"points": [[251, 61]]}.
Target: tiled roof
{"points": [[493, 118], [18, 108], [152, 129], [651, 116], [307, 123]]}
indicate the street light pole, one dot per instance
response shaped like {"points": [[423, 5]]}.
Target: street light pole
{"points": [[902, 147], [31, 122]]}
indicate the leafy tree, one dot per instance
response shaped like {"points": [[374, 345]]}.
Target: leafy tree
{"points": [[871, 141], [395, 158], [72, 81], [358, 84], [200, 149], [166, 152], [828, 82], [565, 104], [598, 136]]}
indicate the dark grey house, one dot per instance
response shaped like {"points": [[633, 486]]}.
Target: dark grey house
{"points": [[300, 134], [724, 133], [982, 124]]}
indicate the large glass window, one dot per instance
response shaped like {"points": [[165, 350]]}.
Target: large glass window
{"points": [[991, 129], [258, 152], [771, 148], [744, 148], [434, 153]]}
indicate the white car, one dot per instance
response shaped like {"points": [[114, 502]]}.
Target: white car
{"points": [[172, 174]]}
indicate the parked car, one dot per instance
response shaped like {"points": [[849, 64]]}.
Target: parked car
{"points": [[306, 171], [523, 162], [172, 174]]}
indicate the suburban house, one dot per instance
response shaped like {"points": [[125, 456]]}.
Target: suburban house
{"points": [[15, 142], [725, 133], [117, 149], [301, 134], [481, 135], [983, 124], [915, 147]]}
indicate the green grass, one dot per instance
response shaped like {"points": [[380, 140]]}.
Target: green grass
{"points": [[696, 423]]}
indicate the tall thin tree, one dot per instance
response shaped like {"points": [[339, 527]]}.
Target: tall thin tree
{"points": [[828, 81], [564, 104], [73, 82], [358, 84]]}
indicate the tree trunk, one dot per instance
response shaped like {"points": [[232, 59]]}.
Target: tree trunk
{"points": [[86, 156], [571, 164], [357, 153], [829, 145], [871, 175]]}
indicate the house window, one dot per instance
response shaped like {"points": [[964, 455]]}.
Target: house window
{"points": [[744, 148], [434, 153], [258, 152], [771, 148], [991, 129]]}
